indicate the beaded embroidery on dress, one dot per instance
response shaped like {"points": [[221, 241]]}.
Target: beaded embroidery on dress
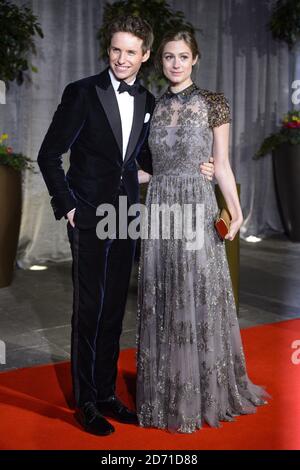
{"points": [[191, 366]]}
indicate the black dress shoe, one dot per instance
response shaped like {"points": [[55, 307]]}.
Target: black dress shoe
{"points": [[92, 420], [114, 408]]}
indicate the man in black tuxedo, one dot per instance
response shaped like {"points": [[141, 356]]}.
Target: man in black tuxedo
{"points": [[104, 121]]}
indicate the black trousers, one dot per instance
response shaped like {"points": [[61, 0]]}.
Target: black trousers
{"points": [[101, 274]]}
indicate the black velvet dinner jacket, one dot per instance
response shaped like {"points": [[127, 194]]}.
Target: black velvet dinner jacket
{"points": [[87, 121]]}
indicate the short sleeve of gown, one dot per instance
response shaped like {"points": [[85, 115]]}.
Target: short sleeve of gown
{"points": [[219, 110]]}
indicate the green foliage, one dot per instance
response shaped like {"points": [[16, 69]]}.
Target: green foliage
{"points": [[160, 17], [285, 21], [289, 133], [17, 161], [18, 26]]}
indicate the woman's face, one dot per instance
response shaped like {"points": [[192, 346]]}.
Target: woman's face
{"points": [[177, 62]]}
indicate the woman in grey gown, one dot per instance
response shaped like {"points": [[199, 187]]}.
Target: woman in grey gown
{"points": [[191, 365]]}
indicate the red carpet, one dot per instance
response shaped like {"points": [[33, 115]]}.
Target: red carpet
{"points": [[35, 412]]}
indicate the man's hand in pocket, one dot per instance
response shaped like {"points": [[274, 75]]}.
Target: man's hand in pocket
{"points": [[70, 217]]}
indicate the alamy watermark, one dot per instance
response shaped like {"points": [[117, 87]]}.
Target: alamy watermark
{"points": [[2, 92], [295, 358], [2, 352], [159, 221], [296, 94]]}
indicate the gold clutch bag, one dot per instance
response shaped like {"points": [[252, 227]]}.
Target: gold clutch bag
{"points": [[222, 223]]}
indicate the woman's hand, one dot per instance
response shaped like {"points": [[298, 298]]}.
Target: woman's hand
{"points": [[143, 177], [235, 225], [208, 169]]}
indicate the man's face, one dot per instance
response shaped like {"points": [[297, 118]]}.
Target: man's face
{"points": [[126, 56]]}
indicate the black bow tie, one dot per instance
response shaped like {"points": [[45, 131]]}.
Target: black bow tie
{"points": [[131, 89]]}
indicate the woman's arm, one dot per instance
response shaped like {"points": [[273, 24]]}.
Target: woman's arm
{"points": [[225, 177]]}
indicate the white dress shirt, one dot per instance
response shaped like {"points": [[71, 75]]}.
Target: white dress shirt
{"points": [[126, 108]]}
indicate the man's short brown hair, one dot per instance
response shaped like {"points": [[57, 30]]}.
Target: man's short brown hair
{"points": [[134, 25]]}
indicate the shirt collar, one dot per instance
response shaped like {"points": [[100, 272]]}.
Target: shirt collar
{"points": [[115, 82], [182, 95]]}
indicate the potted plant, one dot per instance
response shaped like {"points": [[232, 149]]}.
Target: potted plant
{"points": [[285, 21], [11, 166], [285, 148], [18, 26]]}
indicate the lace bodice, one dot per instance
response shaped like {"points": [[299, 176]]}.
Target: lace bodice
{"points": [[181, 129]]}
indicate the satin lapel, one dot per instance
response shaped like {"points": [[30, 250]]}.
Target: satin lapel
{"points": [[137, 124], [109, 102]]}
